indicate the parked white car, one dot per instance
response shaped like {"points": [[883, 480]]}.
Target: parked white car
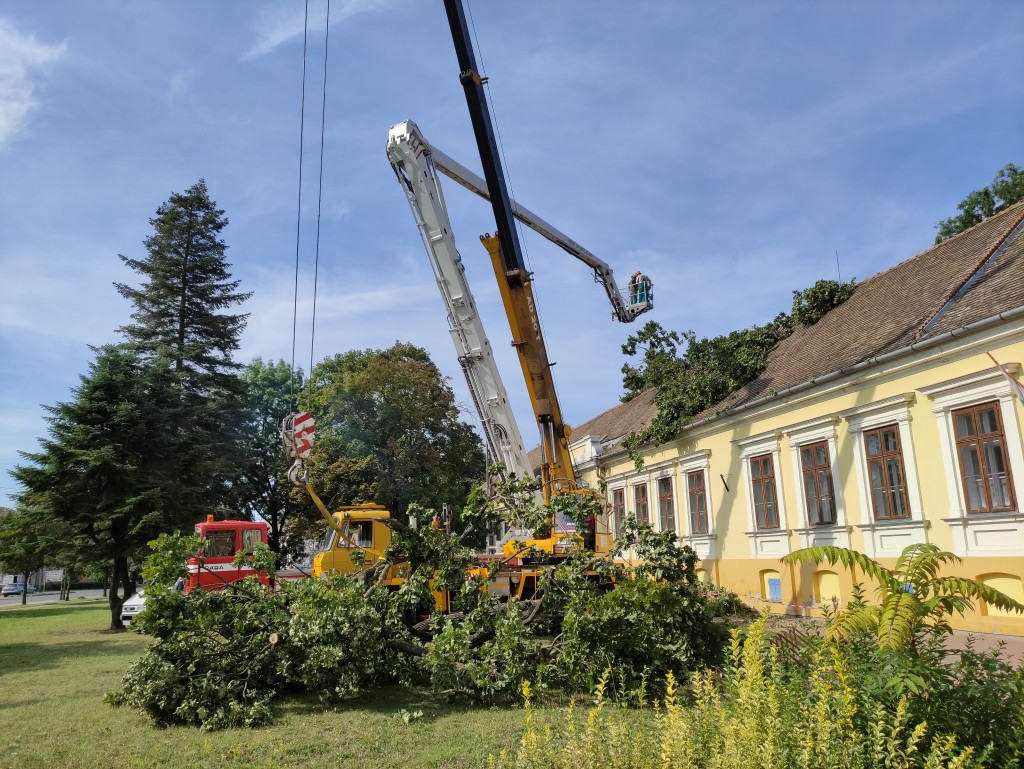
{"points": [[137, 602]]}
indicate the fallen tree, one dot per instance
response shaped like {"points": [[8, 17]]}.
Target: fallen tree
{"points": [[223, 658]]}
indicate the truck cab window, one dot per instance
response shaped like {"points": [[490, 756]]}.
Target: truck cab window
{"points": [[360, 532], [219, 544], [251, 538]]}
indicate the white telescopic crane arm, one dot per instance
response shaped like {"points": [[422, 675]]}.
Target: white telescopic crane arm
{"points": [[621, 309], [411, 158]]}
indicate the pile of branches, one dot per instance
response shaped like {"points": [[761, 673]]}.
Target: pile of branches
{"points": [[223, 658]]}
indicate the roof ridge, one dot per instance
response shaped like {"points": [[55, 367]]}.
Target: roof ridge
{"points": [[980, 264], [952, 238]]}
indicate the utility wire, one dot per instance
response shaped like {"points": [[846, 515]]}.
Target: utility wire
{"points": [[298, 215], [320, 195]]}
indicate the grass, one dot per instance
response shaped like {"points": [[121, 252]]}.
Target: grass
{"points": [[57, 661]]}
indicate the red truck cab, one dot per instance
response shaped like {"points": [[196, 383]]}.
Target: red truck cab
{"points": [[213, 567]]}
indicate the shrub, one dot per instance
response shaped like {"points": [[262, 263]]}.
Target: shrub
{"points": [[975, 696], [722, 602], [755, 714], [914, 601]]}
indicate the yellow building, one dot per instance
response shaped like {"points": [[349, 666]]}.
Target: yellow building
{"points": [[882, 425]]}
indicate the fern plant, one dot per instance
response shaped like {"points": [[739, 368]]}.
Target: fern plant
{"points": [[913, 597]]}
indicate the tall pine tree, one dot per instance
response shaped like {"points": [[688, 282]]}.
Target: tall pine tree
{"points": [[183, 311]]}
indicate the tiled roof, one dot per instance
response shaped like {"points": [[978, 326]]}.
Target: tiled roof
{"points": [[887, 312], [614, 423]]}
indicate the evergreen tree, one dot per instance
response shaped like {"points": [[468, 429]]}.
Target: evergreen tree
{"points": [[25, 544], [122, 464], [182, 312], [186, 287]]}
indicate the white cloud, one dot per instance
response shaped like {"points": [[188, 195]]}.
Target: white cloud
{"points": [[51, 280], [21, 57], [338, 210], [178, 84], [277, 24]]}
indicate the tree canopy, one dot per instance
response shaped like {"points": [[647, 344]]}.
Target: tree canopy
{"points": [[25, 543], [388, 431], [182, 311], [710, 369], [261, 487], [180, 307], [1006, 189]]}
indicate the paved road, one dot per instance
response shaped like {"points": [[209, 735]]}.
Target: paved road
{"points": [[15, 600]]}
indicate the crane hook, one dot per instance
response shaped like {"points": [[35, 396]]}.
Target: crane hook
{"points": [[298, 433]]}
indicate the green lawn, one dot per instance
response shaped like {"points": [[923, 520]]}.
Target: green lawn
{"points": [[57, 661]]}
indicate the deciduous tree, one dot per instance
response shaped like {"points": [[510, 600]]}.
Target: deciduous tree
{"points": [[261, 486], [706, 372], [389, 431], [660, 364], [24, 544], [1006, 189]]}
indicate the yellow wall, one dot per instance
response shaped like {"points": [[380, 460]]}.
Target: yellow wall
{"points": [[913, 389]]}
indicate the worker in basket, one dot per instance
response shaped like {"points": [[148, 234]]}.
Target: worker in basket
{"points": [[640, 288]]}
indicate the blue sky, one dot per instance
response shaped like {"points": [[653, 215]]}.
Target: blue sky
{"points": [[727, 149]]}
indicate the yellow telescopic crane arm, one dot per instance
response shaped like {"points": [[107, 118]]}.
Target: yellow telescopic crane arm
{"points": [[557, 473]]}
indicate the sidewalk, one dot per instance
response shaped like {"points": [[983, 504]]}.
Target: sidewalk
{"points": [[1013, 647]]}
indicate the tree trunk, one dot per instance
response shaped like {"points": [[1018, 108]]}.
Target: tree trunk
{"points": [[121, 588]]}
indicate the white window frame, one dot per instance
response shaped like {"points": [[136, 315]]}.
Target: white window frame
{"points": [[992, 534], [705, 545], [653, 473], [799, 435], [887, 538], [764, 543]]}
